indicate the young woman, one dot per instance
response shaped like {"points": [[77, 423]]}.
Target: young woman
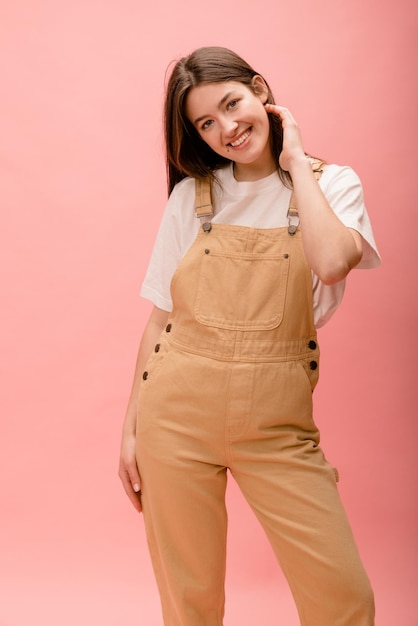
{"points": [[253, 250]]}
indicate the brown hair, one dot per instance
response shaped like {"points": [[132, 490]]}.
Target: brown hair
{"points": [[186, 152]]}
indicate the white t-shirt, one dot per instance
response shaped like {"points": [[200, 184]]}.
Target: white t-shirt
{"points": [[258, 204]]}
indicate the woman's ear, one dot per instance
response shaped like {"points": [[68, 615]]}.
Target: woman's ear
{"points": [[260, 88]]}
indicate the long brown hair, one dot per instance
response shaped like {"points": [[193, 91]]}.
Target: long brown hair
{"points": [[186, 152]]}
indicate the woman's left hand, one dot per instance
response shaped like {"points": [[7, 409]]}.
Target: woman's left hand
{"points": [[292, 138]]}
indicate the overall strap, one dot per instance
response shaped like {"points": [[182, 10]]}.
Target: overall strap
{"points": [[293, 213], [203, 206], [204, 209]]}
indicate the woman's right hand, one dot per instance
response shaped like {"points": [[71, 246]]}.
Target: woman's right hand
{"points": [[128, 470]]}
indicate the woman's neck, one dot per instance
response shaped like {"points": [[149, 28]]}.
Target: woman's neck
{"points": [[255, 170]]}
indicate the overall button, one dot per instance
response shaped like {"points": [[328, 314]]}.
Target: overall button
{"points": [[312, 344], [157, 348], [145, 375], [168, 328], [313, 365]]}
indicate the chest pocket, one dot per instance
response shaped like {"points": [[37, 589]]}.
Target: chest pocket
{"points": [[241, 291]]}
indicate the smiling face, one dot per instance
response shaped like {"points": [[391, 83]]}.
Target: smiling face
{"points": [[231, 118]]}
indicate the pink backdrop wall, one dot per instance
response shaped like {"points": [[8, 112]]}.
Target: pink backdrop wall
{"points": [[82, 190]]}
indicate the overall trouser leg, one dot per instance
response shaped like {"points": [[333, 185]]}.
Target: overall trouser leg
{"points": [[275, 458], [180, 455], [312, 540]]}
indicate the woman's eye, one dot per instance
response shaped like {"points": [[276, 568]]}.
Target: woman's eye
{"points": [[232, 104], [206, 124]]}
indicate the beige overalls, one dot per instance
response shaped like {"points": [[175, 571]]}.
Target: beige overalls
{"points": [[229, 386]]}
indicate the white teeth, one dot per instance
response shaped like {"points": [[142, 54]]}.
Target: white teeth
{"points": [[241, 140]]}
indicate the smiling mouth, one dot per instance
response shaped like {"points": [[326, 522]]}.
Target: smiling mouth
{"points": [[240, 140]]}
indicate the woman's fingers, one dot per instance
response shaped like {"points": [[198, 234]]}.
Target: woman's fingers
{"points": [[131, 484], [128, 471], [282, 112], [292, 149]]}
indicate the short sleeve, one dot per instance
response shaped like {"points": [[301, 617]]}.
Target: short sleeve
{"points": [[343, 189], [175, 235]]}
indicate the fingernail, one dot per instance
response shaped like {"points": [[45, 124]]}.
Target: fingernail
{"points": [[136, 487]]}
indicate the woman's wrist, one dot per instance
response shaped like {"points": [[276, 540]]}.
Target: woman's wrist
{"points": [[299, 165], [129, 425]]}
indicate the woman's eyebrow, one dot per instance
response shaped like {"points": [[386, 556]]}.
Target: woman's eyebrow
{"points": [[221, 102]]}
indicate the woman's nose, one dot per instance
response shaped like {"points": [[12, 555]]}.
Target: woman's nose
{"points": [[229, 127]]}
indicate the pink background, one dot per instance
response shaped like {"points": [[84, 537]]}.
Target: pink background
{"points": [[82, 190]]}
